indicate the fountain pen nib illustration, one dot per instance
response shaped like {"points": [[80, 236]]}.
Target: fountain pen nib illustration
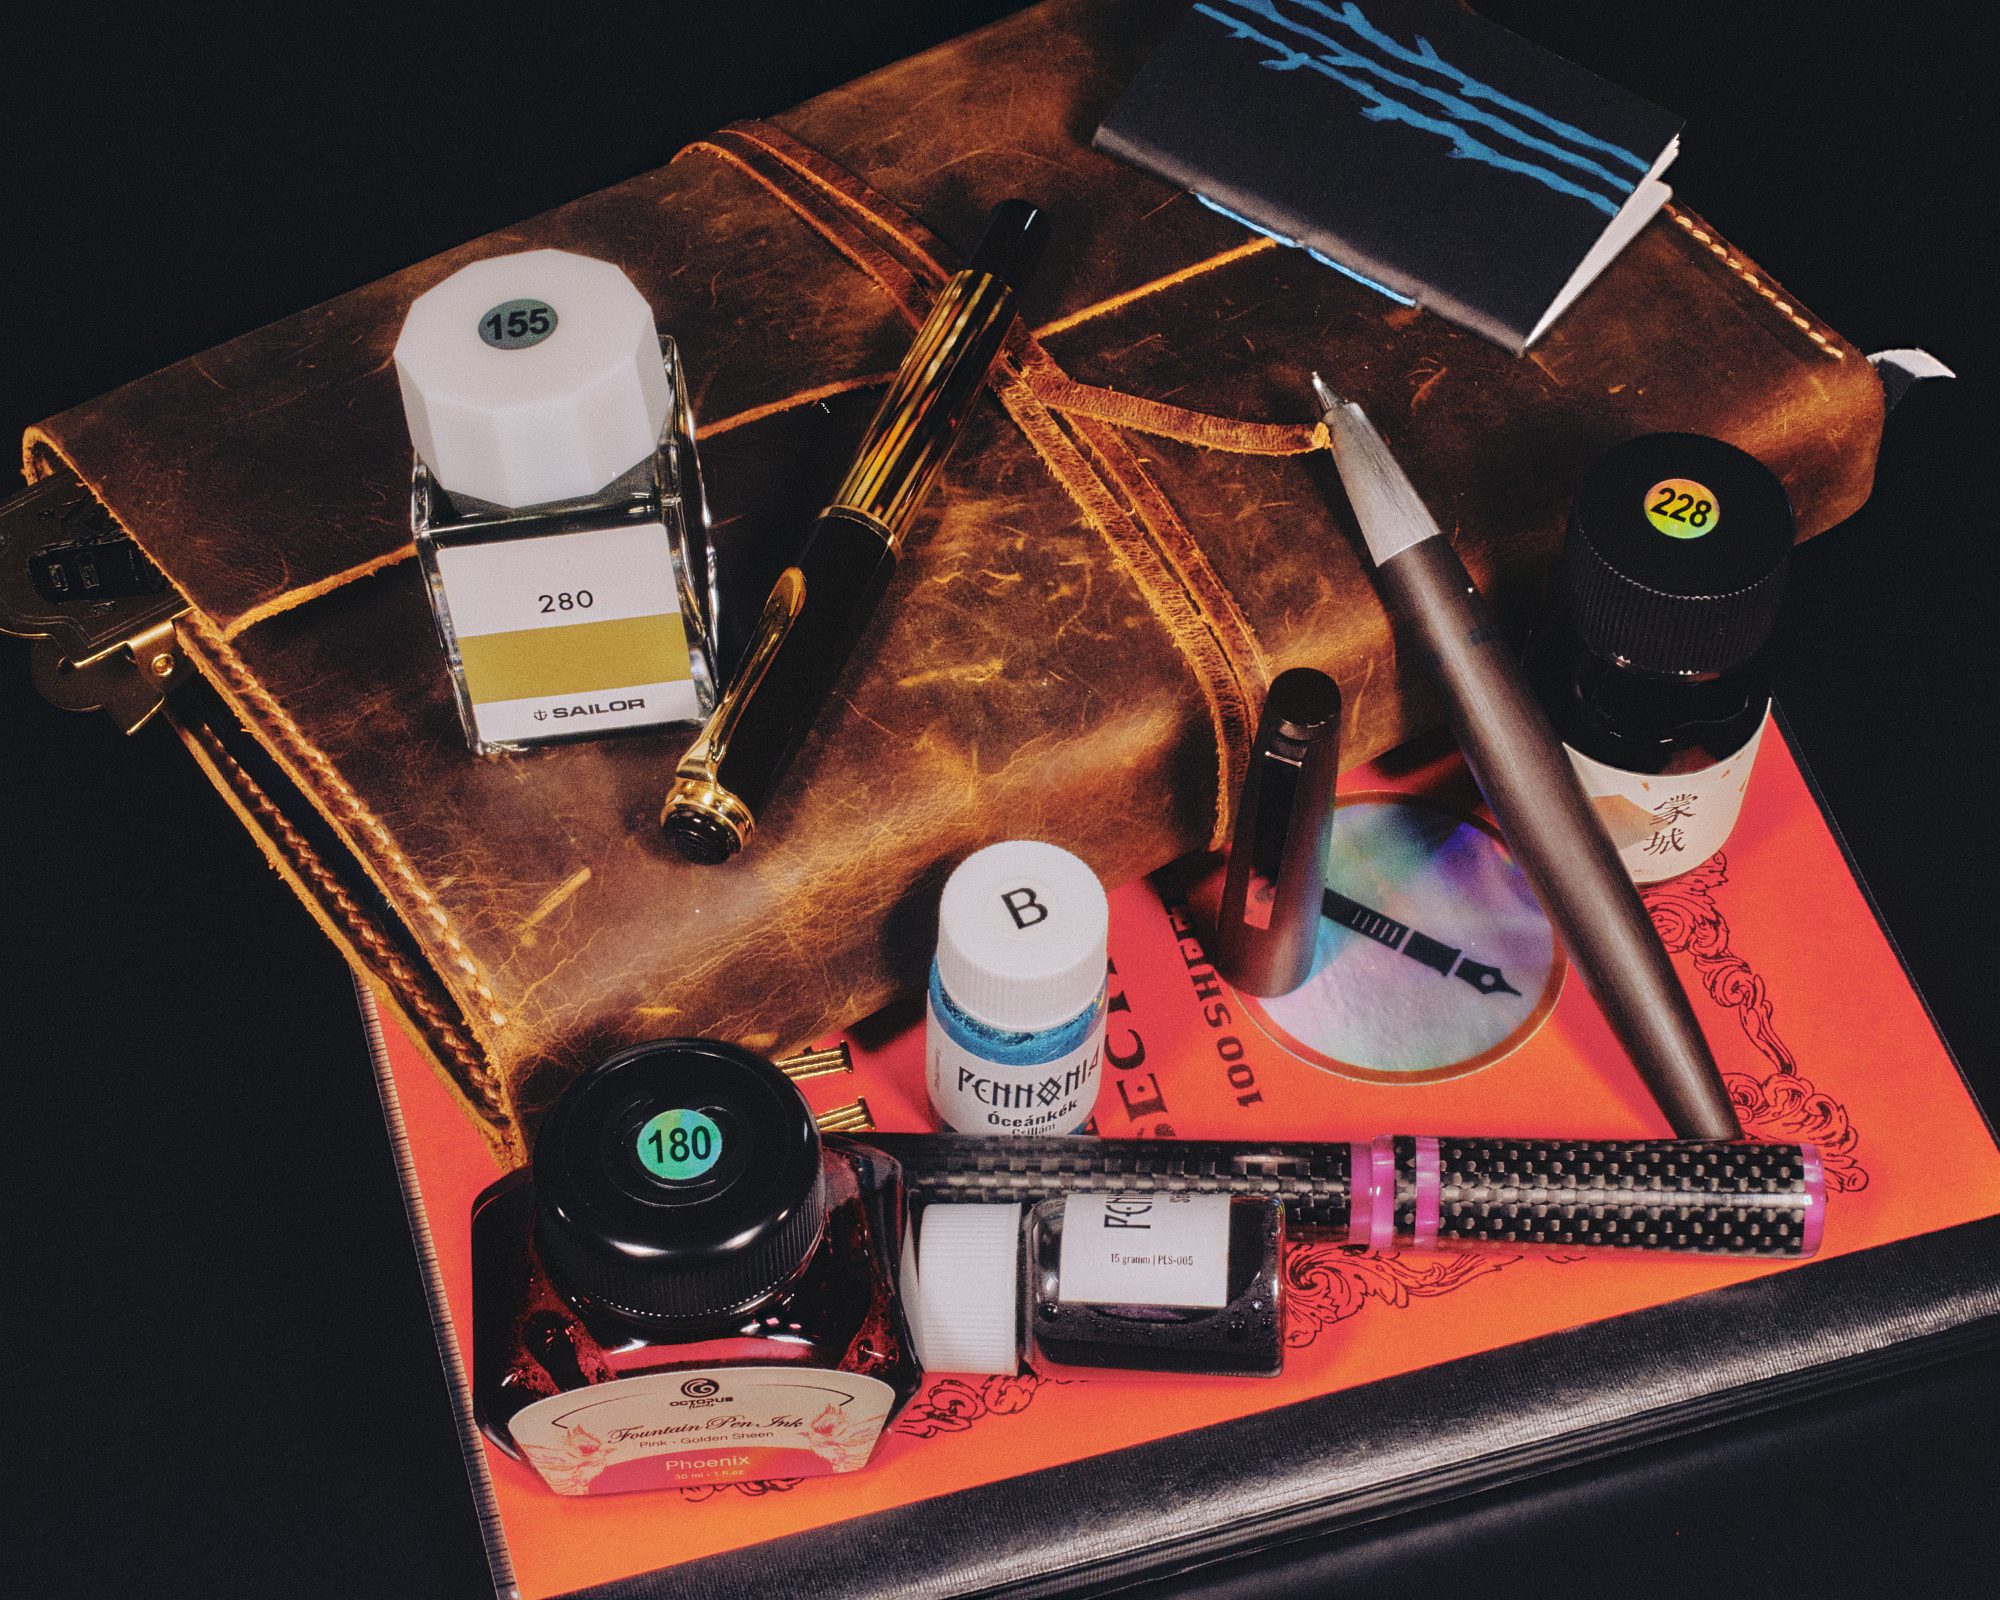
{"points": [[1442, 958]]}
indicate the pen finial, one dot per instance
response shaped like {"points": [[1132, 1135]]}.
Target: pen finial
{"points": [[1327, 398]]}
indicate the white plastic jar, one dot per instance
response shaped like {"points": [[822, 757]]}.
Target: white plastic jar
{"points": [[1014, 1039]]}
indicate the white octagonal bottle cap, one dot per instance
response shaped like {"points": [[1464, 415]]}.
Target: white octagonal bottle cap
{"points": [[1021, 935], [532, 377]]}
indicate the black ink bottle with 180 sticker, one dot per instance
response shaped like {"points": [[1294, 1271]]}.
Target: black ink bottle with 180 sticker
{"points": [[690, 1285]]}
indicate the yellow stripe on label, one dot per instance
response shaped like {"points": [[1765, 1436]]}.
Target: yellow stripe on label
{"points": [[581, 659]]}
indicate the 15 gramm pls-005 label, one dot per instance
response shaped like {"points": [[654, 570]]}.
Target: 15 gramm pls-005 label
{"points": [[1146, 1249], [714, 1425], [1666, 823], [569, 632]]}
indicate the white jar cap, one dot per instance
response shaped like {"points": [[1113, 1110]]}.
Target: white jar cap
{"points": [[968, 1272], [1021, 935], [532, 377]]}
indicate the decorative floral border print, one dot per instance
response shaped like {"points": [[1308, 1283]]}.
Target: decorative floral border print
{"points": [[946, 1405], [1784, 1106], [1328, 1283], [952, 1405]]}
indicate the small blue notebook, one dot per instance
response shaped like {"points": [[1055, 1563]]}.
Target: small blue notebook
{"points": [[1435, 156]]}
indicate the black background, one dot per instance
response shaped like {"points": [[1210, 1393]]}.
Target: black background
{"points": [[221, 1377]]}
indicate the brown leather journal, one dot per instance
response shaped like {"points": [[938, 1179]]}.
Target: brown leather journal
{"points": [[1131, 540]]}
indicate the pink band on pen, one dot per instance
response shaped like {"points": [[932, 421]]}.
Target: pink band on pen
{"points": [[1360, 1194], [1428, 1184], [1383, 1233], [1814, 1221]]}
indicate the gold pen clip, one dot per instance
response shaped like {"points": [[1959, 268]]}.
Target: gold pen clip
{"points": [[855, 1118]]}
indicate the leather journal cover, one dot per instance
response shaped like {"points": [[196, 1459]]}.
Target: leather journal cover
{"points": [[1131, 539]]}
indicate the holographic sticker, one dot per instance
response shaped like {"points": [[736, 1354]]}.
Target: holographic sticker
{"points": [[680, 1144], [517, 324], [1681, 508], [1434, 959]]}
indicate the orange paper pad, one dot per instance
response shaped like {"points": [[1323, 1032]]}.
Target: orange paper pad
{"points": [[1811, 1019]]}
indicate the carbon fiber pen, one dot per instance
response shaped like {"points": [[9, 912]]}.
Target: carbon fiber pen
{"points": [[1441, 618], [1422, 1193]]}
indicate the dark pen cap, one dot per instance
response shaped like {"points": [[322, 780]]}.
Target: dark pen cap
{"points": [[1303, 707], [1016, 234], [1268, 924]]}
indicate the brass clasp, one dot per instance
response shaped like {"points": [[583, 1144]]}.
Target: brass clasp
{"points": [[101, 615]]}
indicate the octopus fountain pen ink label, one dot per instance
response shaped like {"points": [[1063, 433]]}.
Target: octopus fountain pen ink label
{"points": [[577, 632], [711, 1425]]}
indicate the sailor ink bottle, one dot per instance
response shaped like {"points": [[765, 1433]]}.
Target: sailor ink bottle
{"points": [[556, 502], [690, 1285], [1014, 1036], [1653, 669], [1135, 1282]]}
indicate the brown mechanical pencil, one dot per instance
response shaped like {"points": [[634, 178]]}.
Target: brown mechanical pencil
{"points": [[1520, 767]]}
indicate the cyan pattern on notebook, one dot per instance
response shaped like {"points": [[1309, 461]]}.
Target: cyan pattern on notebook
{"points": [[1354, 69], [1293, 244]]}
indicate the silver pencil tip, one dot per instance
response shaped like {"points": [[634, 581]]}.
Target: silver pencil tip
{"points": [[1327, 398]]}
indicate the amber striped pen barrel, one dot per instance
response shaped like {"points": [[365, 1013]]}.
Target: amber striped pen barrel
{"points": [[1418, 1192], [820, 606]]}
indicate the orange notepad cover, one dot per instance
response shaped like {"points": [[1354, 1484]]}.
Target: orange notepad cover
{"points": [[1814, 1024]]}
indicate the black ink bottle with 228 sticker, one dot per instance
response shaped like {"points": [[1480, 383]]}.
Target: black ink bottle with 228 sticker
{"points": [[1653, 668]]}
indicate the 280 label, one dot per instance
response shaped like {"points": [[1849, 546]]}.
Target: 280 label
{"points": [[581, 600]]}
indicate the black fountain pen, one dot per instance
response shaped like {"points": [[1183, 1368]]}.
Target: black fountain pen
{"points": [[1440, 617], [818, 608]]}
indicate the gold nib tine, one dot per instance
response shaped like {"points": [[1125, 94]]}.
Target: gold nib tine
{"points": [[856, 1118], [817, 1063]]}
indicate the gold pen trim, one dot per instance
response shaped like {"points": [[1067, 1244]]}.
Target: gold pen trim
{"points": [[816, 1063], [854, 1118], [912, 430], [695, 787]]}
